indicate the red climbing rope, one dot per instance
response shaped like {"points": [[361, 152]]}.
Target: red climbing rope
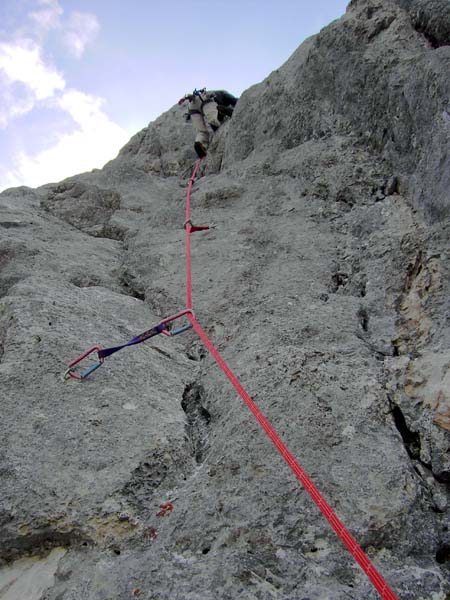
{"points": [[353, 547]]}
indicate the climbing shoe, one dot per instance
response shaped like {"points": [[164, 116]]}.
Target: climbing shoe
{"points": [[200, 149]]}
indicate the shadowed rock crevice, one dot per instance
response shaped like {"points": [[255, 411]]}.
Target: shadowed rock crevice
{"points": [[443, 554], [84, 281], [13, 224], [39, 535], [198, 420], [7, 321], [433, 37], [442, 477], [40, 541], [411, 439], [363, 318], [431, 19], [130, 284], [339, 280]]}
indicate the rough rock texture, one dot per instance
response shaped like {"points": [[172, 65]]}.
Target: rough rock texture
{"points": [[325, 285]]}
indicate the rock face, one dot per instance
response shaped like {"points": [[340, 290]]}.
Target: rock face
{"points": [[325, 286]]}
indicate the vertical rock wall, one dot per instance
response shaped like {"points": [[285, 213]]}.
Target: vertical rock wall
{"points": [[324, 284]]}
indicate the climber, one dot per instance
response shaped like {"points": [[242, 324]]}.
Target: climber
{"points": [[207, 107]]}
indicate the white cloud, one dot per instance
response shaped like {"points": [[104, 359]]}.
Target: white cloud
{"points": [[96, 140], [21, 61], [48, 17], [83, 108], [77, 30], [24, 79], [80, 30], [12, 105], [29, 81]]}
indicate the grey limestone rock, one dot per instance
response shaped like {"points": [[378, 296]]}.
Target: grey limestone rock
{"points": [[431, 18], [324, 283]]}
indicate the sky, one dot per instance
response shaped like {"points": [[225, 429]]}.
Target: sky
{"points": [[78, 78]]}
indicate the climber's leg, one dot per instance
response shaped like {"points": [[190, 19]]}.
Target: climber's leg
{"points": [[202, 133], [211, 114]]}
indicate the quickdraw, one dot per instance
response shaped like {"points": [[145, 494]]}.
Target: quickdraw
{"points": [[102, 353]]}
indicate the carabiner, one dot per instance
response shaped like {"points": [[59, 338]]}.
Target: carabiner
{"points": [[171, 333], [89, 370]]}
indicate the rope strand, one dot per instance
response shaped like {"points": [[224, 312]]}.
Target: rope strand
{"points": [[342, 532]]}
